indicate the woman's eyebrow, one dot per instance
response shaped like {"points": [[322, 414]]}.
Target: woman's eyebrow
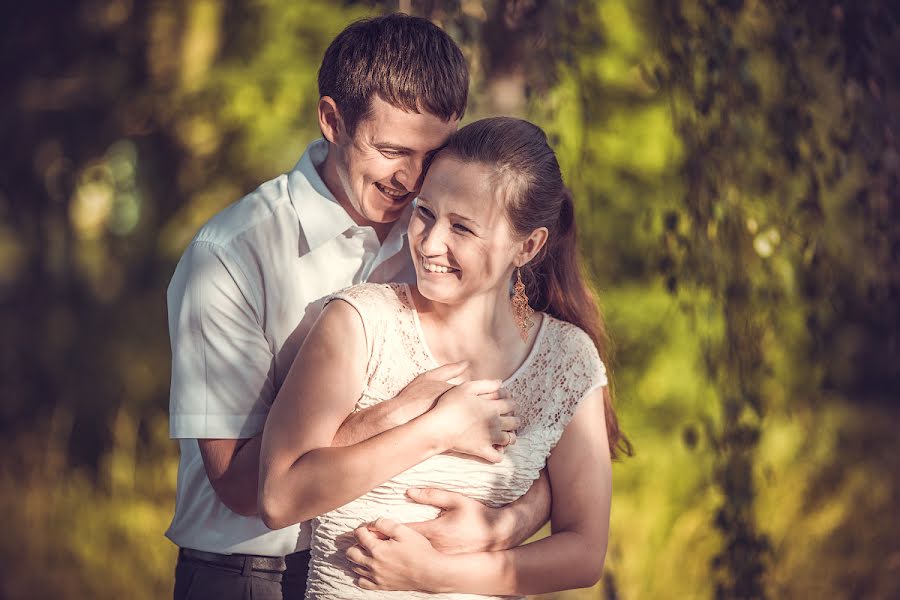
{"points": [[456, 215], [464, 218]]}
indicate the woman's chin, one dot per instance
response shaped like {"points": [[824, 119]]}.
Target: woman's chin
{"points": [[436, 291]]}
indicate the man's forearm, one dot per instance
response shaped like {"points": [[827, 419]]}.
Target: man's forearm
{"points": [[521, 519], [233, 470]]}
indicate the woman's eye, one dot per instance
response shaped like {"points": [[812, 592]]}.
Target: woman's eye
{"points": [[390, 154], [425, 212], [462, 228]]}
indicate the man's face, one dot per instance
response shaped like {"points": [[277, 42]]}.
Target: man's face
{"points": [[381, 166]]}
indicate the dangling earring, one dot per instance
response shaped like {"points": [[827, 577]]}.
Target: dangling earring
{"points": [[521, 310]]}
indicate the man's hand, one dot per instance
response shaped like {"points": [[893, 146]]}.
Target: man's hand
{"points": [[464, 525]]}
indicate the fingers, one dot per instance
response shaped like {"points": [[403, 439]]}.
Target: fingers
{"points": [[501, 394], [390, 528], [503, 438], [365, 583], [448, 371], [493, 456], [423, 528], [365, 538], [378, 534], [361, 571], [482, 386], [358, 556], [433, 497], [499, 437], [508, 423], [490, 454], [505, 394], [505, 407]]}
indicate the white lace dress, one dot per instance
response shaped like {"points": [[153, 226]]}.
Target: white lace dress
{"points": [[562, 368]]}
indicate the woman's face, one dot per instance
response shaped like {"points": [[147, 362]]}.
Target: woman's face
{"points": [[461, 241]]}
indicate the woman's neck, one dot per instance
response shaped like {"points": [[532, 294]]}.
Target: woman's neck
{"points": [[481, 330]]}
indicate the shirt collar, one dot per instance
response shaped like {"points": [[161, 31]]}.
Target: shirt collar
{"points": [[398, 233], [321, 217]]}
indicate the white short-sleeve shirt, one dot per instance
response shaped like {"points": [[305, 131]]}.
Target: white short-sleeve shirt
{"points": [[242, 299]]}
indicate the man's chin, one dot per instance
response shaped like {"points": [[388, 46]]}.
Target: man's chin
{"points": [[385, 216]]}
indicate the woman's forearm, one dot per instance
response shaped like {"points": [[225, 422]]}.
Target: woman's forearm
{"points": [[367, 423], [325, 478], [564, 560]]}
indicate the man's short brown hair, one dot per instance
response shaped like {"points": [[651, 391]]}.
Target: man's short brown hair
{"points": [[409, 62]]}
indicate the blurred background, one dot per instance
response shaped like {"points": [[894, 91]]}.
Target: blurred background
{"points": [[735, 168]]}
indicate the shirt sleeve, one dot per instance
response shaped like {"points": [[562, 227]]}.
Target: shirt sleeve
{"points": [[222, 363]]}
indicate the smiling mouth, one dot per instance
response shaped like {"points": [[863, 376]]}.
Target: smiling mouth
{"points": [[395, 195], [435, 268]]}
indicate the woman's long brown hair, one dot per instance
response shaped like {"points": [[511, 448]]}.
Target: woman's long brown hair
{"points": [[535, 196]]}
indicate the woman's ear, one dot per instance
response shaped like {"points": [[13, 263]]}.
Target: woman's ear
{"points": [[330, 121], [530, 246]]}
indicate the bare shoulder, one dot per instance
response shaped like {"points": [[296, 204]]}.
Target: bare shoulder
{"points": [[340, 314]]}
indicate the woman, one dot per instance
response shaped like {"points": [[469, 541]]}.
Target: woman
{"points": [[493, 209]]}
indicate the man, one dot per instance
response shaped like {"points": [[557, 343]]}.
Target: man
{"points": [[251, 283]]}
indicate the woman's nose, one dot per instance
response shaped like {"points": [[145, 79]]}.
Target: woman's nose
{"points": [[433, 243]]}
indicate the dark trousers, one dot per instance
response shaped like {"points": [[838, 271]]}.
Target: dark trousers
{"points": [[195, 580]]}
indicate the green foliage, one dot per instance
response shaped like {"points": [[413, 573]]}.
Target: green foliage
{"points": [[97, 532], [745, 78]]}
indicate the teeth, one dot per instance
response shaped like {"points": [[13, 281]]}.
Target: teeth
{"points": [[392, 193], [433, 268]]}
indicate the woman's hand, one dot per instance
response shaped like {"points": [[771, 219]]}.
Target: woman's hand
{"points": [[421, 394], [480, 419], [391, 556]]}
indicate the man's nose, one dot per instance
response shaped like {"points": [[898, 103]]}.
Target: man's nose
{"points": [[410, 173]]}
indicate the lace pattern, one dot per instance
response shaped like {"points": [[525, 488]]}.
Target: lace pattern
{"points": [[561, 370]]}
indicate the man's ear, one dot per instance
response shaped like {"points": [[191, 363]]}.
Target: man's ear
{"points": [[530, 246], [330, 121]]}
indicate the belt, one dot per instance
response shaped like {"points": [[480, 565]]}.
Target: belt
{"points": [[246, 563]]}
